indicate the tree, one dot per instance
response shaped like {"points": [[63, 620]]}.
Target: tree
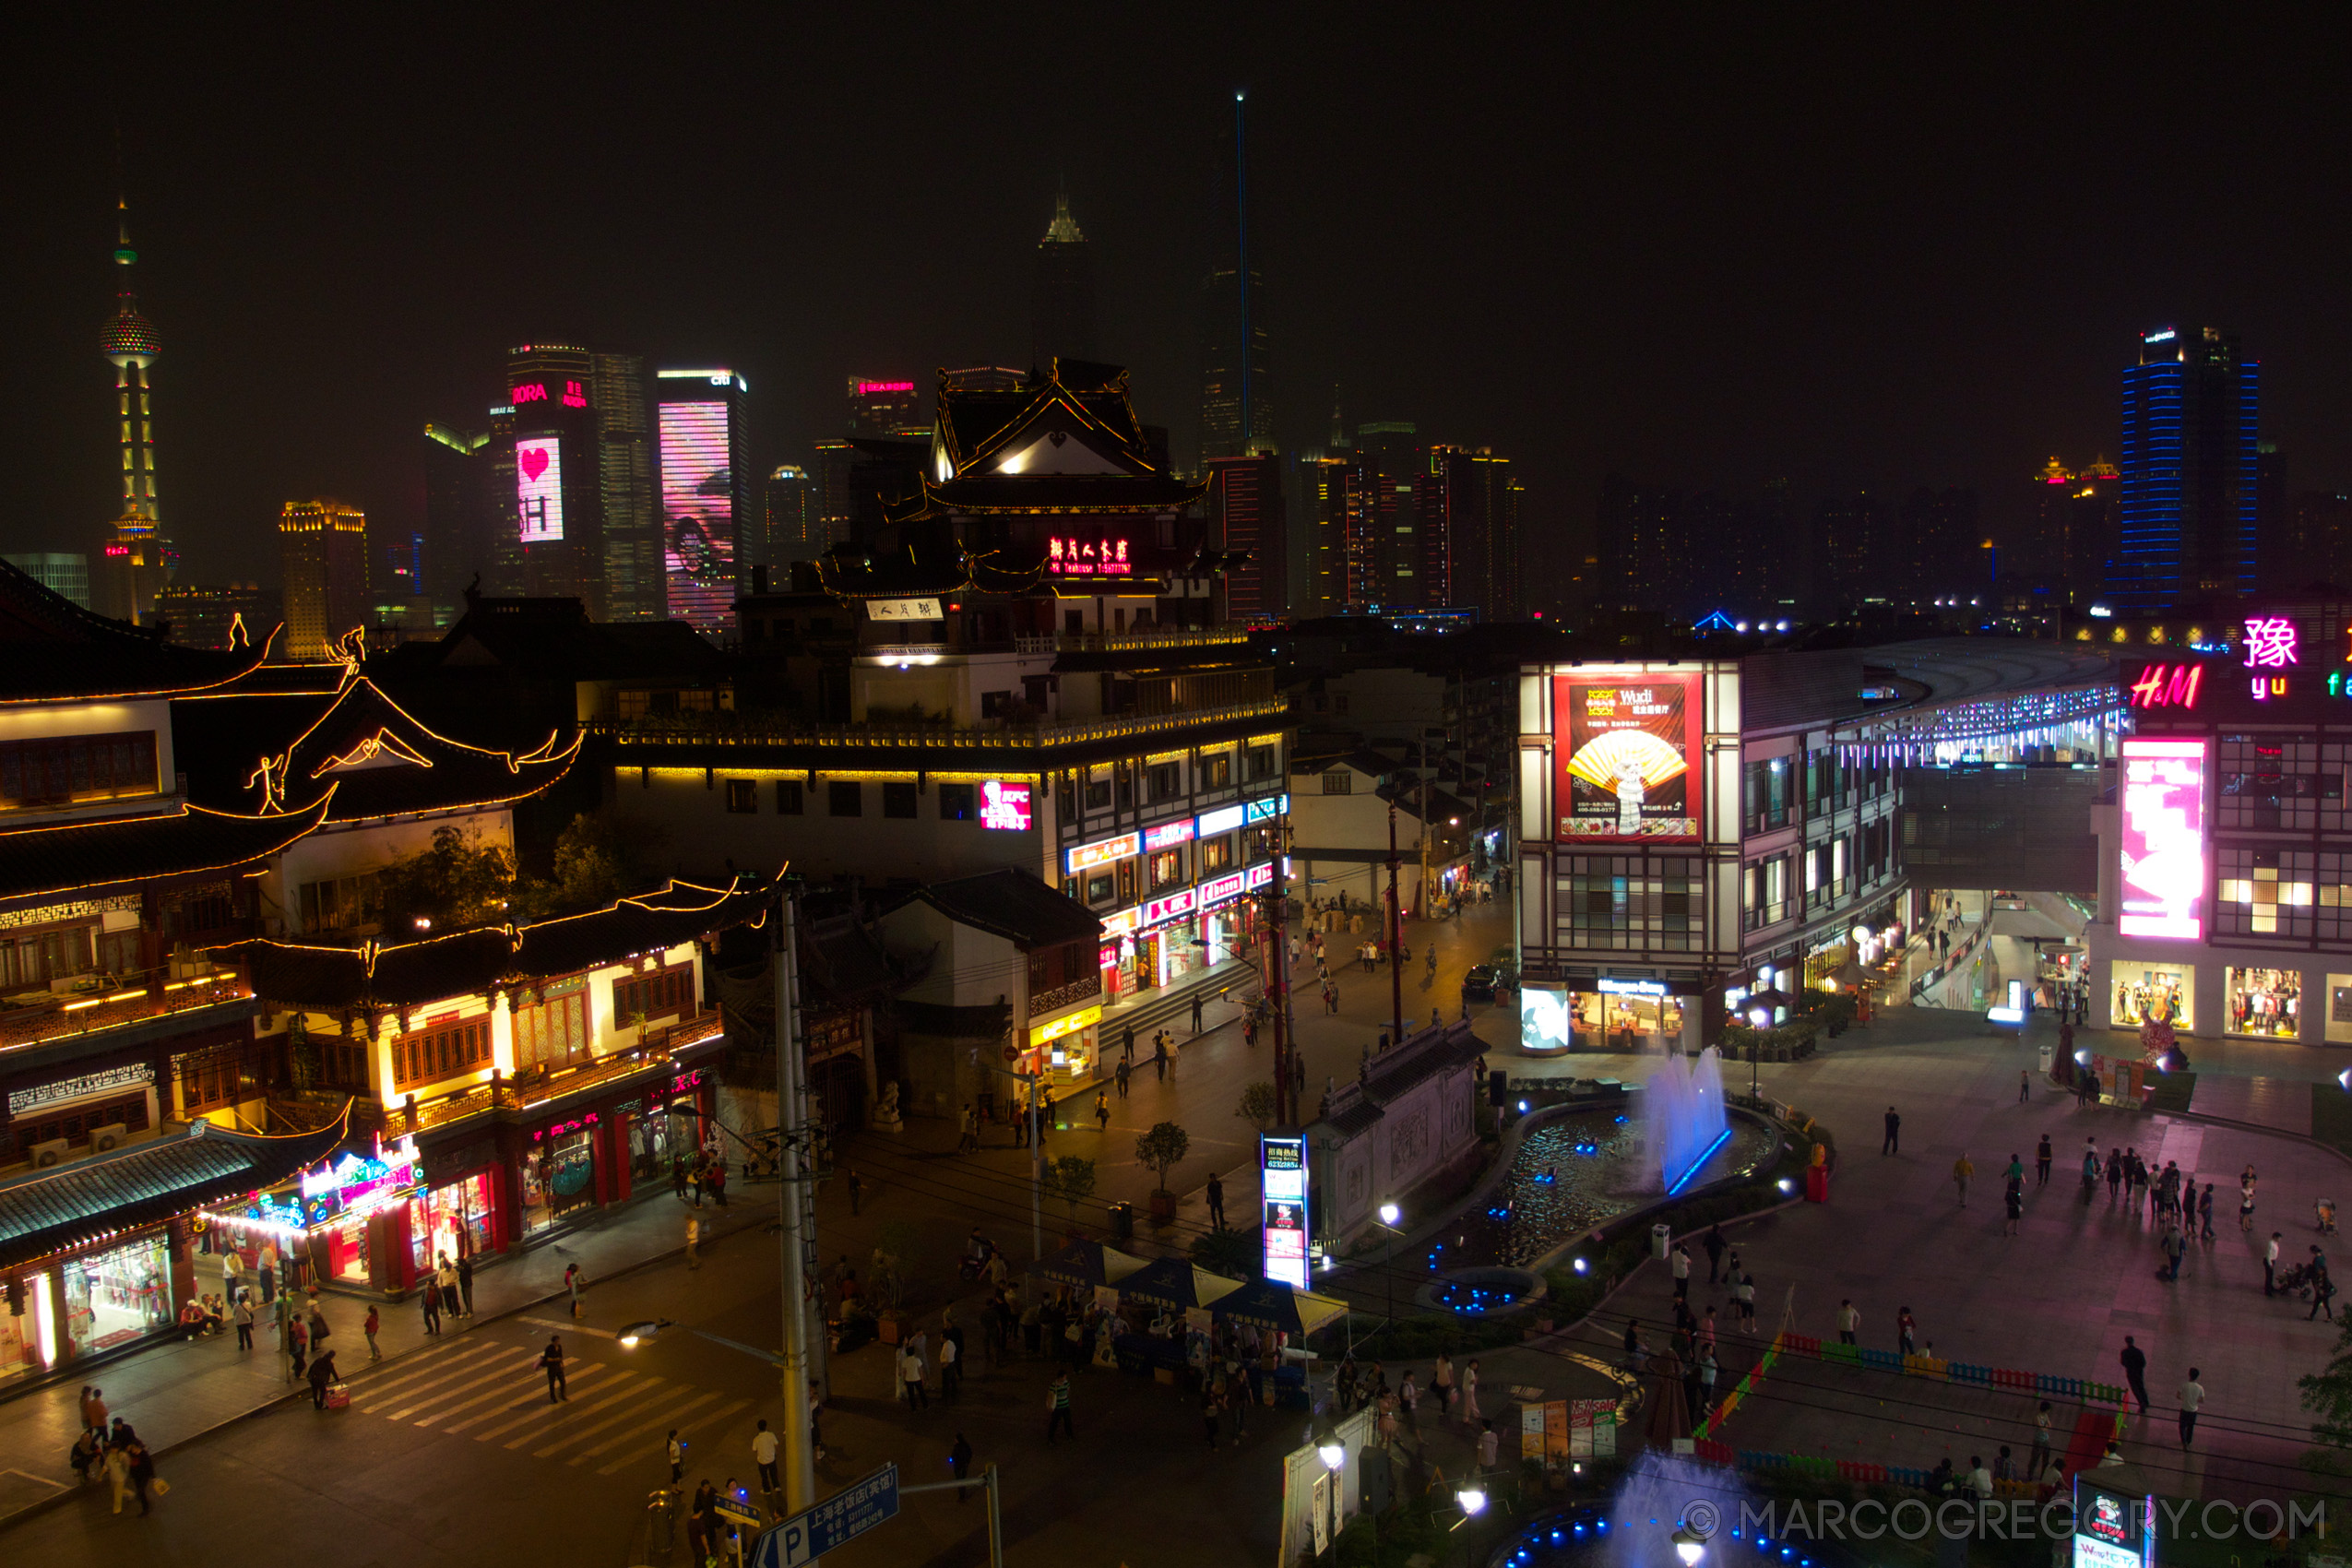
{"points": [[457, 881], [1257, 1104], [597, 861], [2327, 1394], [1229, 1252], [1071, 1178], [1161, 1148]]}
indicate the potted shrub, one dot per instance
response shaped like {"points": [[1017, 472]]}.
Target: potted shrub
{"points": [[1159, 1150]]}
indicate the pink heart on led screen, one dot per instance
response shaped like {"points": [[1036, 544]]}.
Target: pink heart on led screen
{"points": [[534, 461]]}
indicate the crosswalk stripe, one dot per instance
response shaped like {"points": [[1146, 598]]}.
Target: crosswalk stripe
{"points": [[640, 1408], [704, 1420], [628, 1393], [405, 1372], [670, 1414], [381, 1394], [571, 1379], [504, 1391], [426, 1394]]}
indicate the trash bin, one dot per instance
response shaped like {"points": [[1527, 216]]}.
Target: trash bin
{"points": [[2048, 1053], [1122, 1221], [1661, 1241]]}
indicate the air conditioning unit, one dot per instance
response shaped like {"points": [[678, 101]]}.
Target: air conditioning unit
{"points": [[48, 1154], [115, 1134]]}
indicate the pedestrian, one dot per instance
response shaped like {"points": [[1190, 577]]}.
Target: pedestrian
{"points": [[1894, 1142], [716, 1182], [447, 1278], [1681, 1272], [1103, 1110], [677, 1452], [2191, 1395], [552, 1360], [1196, 1011], [2042, 1162], [1057, 1403], [1159, 1055], [2175, 1247], [2322, 1289], [1961, 1170], [322, 1374], [856, 1187], [1489, 1445], [951, 1363], [1907, 1331], [910, 1379], [1743, 1296], [1216, 1201], [1119, 1077], [244, 1315], [466, 1281], [1409, 1400], [2024, 1086], [1127, 1043], [430, 1297], [678, 1177], [2204, 1214], [368, 1327], [2090, 1174], [816, 1413], [1850, 1322], [2013, 1203], [1441, 1381], [297, 1341], [2135, 1371], [959, 1465], [2246, 1206], [1979, 1479], [764, 1455], [2114, 1172], [694, 1237], [2270, 1263], [118, 1473], [2040, 1460], [1470, 1394], [93, 1409], [1716, 1246], [138, 1470]]}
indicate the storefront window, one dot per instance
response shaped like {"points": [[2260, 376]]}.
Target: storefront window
{"points": [[451, 1222], [559, 1176], [1604, 1017], [2267, 1002], [26, 1342], [649, 1145], [2143, 991], [2339, 1009], [112, 1298]]}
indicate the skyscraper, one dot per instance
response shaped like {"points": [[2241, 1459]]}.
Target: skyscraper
{"points": [[795, 528], [322, 547], [2189, 495], [559, 477], [219, 615], [1322, 488], [1236, 417], [138, 556], [887, 411], [634, 587], [62, 572], [1481, 495], [698, 418], [460, 541], [1061, 293], [1245, 513]]}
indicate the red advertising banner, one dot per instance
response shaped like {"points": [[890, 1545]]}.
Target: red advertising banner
{"points": [[1625, 758]]}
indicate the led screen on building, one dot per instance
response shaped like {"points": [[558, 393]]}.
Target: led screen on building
{"points": [[697, 512], [1626, 755], [2162, 808], [1282, 1186], [538, 482]]}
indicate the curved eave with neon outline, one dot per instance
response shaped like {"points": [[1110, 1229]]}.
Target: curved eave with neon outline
{"points": [[89, 1201], [52, 651], [328, 978], [87, 860]]}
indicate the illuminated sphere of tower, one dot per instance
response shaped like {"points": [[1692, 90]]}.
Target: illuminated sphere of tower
{"points": [[130, 338]]}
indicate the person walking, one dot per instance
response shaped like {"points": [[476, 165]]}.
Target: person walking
{"points": [[1057, 1404], [1159, 1055], [447, 1276], [910, 1379], [2135, 1371], [2042, 1162], [368, 1327], [856, 1188], [430, 1298], [1216, 1201], [764, 1455], [2322, 1288], [2204, 1214], [951, 1363], [959, 1465], [118, 1473], [322, 1375], [297, 1339], [2040, 1460], [244, 1315], [1743, 1296], [1907, 1331], [466, 1281], [1408, 1401], [1850, 1322], [1961, 1170], [138, 1468], [2191, 1395], [2024, 1086], [2246, 1206], [1470, 1394], [550, 1360], [2090, 1174], [1894, 1142], [94, 1409], [1681, 1272], [693, 1234], [2270, 1263], [677, 1453], [1120, 1078], [1127, 1043], [574, 1282], [2175, 1248], [1716, 1246], [2014, 1205], [1102, 1111]]}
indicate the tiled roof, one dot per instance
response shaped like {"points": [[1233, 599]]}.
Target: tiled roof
{"points": [[1014, 905], [679, 913], [45, 1211], [52, 650], [90, 857]]}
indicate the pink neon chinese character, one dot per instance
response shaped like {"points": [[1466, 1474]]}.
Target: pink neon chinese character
{"points": [[1122, 550], [2270, 642], [1055, 545]]}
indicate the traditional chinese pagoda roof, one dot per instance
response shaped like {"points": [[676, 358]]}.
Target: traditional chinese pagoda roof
{"points": [[911, 572], [53, 650], [89, 860], [286, 753], [330, 977], [554, 639], [45, 1212]]}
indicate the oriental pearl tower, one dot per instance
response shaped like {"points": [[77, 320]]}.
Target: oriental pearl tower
{"points": [[138, 554]]}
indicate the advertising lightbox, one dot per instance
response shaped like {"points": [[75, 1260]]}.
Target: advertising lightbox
{"points": [[2162, 867], [1102, 852], [539, 484], [1005, 807], [697, 512], [1225, 819], [1626, 754], [1282, 1188], [1167, 834]]}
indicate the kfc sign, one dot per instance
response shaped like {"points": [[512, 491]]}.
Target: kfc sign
{"points": [[1168, 908], [1004, 806]]}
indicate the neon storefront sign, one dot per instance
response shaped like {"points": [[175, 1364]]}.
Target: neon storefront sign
{"points": [[1260, 875], [2163, 851], [1088, 557], [2168, 685], [1123, 923], [2269, 643], [576, 1123], [1069, 1026], [1005, 807], [1103, 852], [1168, 908], [1221, 820], [1276, 806], [1223, 888], [1167, 834], [575, 396], [868, 388]]}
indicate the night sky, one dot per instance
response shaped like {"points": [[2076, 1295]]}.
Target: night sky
{"points": [[1851, 249]]}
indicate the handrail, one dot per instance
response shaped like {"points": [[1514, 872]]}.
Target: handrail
{"points": [[67, 1015], [932, 737]]}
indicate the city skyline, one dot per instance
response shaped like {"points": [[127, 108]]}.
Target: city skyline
{"points": [[1850, 346]]}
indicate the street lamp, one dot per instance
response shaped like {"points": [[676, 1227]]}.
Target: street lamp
{"points": [[1471, 1500], [1332, 1452], [1690, 1546], [1389, 1214]]}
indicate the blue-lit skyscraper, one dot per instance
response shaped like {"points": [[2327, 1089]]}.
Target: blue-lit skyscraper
{"points": [[2191, 408]]}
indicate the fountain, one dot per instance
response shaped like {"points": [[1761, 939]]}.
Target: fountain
{"points": [[1684, 1109]]}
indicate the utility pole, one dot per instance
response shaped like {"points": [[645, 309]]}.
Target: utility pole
{"points": [[1396, 934], [791, 1127]]}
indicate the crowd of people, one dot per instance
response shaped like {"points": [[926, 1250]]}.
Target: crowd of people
{"points": [[112, 1449]]}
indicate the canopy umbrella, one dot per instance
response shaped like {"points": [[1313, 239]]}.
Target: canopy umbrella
{"points": [[1175, 1283], [1085, 1265], [1269, 1303]]}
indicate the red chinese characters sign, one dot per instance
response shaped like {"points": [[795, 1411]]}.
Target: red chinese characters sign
{"points": [[1088, 557]]}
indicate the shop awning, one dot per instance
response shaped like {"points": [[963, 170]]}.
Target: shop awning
{"points": [[1177, 1283], [70, 1205], [1269, 1303], [1085, 1265]]}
